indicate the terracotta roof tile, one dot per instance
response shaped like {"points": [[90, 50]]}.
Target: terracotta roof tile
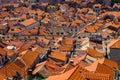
{"points": [[115, 25], [100, 68], [9, 52], [109, 63], [65, 48], [114, 13], [2, 51], [40, 50], [67, 67], [27, 58], [15, 30], [11, 68], [38, 67], [94, 53], [97, 76], [72, 74], [114, 43], [58, 55], [50, 66], [2, 76], [28, 22], [78, 59], [106, 70], [67, 40], [25, 46]]}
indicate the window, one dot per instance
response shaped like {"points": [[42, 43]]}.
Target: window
{"points": [[57, 33], [76, 30], [28, 36], [62, 33], [12, 29], [3, 37], [51, 33]]}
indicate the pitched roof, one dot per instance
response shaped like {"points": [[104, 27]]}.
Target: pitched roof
{"points": [[108, 63], [78, 59], [115, 44], [40, 50], [38, 67], [104, 69], [96, 76], [11, 68], [115, 25], [9, 52], [29, 58], [50, 66], [64, 76], [65, 47], [97, 5], [2, 76], [58, 55], [92, 28], [94, 53], [72, 74], [100, 68], [16, 30], [2, 51], [25, 46], [28, 22], [67, 41], [114, 13], [67, 67]]}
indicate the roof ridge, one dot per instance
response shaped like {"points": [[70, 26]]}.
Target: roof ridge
{"points": [[73, 71]]}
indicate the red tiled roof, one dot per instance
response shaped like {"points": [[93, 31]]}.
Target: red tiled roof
{"points": [[108, 63], [105, 70], [11, 68], [100, 68], [51, 67], [29, 58], [115, 43], [65, 48], [38, 67], [78, 59], [28, 22], [2, 76], [96, 76], [94, 53], [2, 51], [25, 46], [73, 74], [67, 41], [58, 55]]}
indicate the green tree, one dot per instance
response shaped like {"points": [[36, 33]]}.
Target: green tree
{"points": [[40, 77], [116, 1]]}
